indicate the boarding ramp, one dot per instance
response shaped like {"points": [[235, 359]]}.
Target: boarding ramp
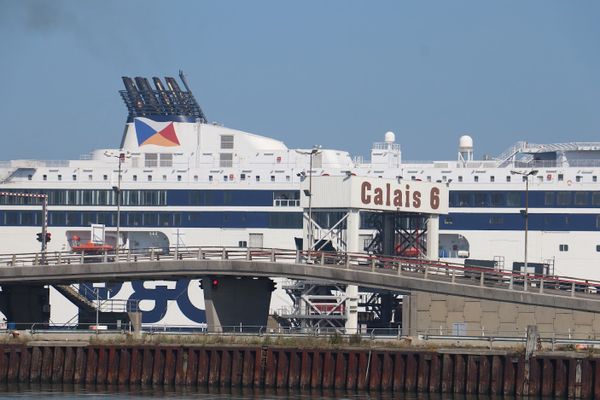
{"points": [[390, 273]]}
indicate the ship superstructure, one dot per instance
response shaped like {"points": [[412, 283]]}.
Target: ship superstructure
{"points": [[185, 181]]}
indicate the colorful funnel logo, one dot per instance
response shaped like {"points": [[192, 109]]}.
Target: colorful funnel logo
{"points": [[156, 133]]}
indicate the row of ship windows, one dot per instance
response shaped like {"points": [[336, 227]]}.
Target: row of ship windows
{"points": [[211, 178], [104, 197], [457, 199], [536, 198], [232, 219], [509, 178], [544, 219]]}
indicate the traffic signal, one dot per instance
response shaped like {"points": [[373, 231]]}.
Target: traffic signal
{"points": [[215, 283], [39, 237], [48, 237]]}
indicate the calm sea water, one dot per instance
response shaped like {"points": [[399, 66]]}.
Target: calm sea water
{"points": [[89, 392]]}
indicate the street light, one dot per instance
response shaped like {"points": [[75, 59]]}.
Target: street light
{"points": [[526, 175], [121, 156], [315, 150]]}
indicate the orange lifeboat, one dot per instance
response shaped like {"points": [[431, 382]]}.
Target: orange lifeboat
{"points": [[89, 247]]}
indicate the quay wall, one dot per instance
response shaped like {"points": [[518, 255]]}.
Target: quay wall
{"points": [[433, 314], [576, 375]]}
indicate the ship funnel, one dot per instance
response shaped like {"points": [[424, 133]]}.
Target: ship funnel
{"points": [[164, 102], [135, 100], [148, 95]]}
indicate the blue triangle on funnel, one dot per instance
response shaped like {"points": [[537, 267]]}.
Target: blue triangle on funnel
{"points": [[143, 131]]}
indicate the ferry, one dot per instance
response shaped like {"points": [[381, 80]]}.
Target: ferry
{"points": [[184, 181]]}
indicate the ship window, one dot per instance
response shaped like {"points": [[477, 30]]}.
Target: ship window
{"points": [[578, 178], [105, 177], [563, 247], [287, 178], [60, 177], [549, 199], [135, 178], [581, 199], [242, 243], [226, 160], [164, 219], [224, 178], [598, 221], [164, 177], [242, 177], [166, 159], [134, 219], [598, 248], [29, 177], [272, 178], [460, 178], [563, 198], [496, 199], [476, 178], [513, 199], [507, 178], [90, 177], [151, 160], [45, 177], [149, 178], [227, 141], [480, 199], [492, 178], [195, 178], [464, 199], [596, 198], [150, 219], [210, 178], [560, 177], [257, 178], [74, 177], [594, 178], [178, 178]]}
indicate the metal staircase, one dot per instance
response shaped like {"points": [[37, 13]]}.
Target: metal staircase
{"points": [[109, 310]]}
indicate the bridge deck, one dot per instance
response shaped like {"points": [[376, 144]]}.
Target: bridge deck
{"points": [[399, 274]]}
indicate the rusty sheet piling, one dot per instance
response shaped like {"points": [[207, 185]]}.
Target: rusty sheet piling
{"points": [[572, 374]]}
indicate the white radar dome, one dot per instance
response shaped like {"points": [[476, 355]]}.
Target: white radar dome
{"points": [[465, 142], [390, 137]]}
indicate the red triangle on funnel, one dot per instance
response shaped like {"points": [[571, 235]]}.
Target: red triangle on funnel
{"points": [[169, 133]]}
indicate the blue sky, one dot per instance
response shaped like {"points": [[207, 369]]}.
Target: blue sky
{"points": [[335, 73]]}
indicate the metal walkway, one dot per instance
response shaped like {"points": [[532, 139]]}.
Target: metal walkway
{"points": [[398, 274]]}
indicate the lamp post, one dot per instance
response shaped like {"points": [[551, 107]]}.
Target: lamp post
{"points": [[121, 156], [526, 175], [315, 150]]}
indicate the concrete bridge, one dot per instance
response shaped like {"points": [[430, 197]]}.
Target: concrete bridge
{"points": [[396, 274]]}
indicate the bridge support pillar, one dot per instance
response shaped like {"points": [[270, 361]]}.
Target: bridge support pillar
{"points": [[24, 305], [433, 237], [235, 304], [352, 246]]}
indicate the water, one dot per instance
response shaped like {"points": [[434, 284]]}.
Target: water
{"points": [[89, 392]]}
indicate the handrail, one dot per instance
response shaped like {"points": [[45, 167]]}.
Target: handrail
{"points": [[416, 267]]}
